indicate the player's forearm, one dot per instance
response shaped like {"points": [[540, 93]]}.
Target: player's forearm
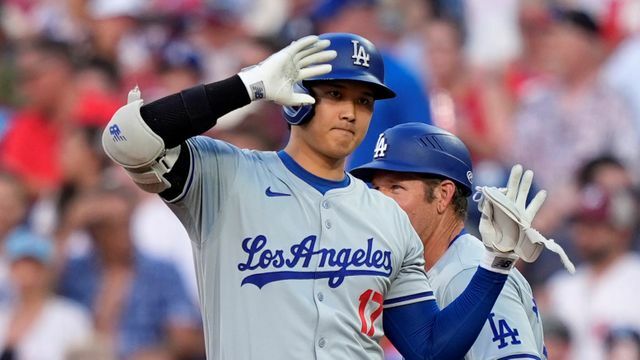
{"points": [[458, 325], [177, 117], [149, 140], [421, 331]]}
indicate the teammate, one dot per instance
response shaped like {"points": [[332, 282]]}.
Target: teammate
{"points": [[295, 259], [428, 172]]}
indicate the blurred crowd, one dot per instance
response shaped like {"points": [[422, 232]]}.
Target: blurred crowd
{"points": [[92, 268]]}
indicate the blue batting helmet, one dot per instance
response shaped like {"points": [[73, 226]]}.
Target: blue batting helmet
{"points": [[357, 60], [422, 149]]}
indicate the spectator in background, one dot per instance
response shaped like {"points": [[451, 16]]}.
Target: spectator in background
{"points": [[298, 24], [7, 71], [622, 72], [80, 157], [38, 324], [97, 88], [606, 172], [411, 103], [110, 22], [140, 304], [82, 164], [30, 146], [13, 207], [602, 294], [609, 173], [409, 18], [472, 106], [492, 32], [530, 67], [180, 67], [158, 233], [623, 344], [557, 339], [562, 124], [216, 34]]}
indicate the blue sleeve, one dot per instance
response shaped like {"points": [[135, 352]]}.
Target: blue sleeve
{"points": [[422, 331]]}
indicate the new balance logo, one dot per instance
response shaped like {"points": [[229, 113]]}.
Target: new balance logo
{"points": [[116, 133], [360, 55], [502, 263], [258, 90], [270, 193]]}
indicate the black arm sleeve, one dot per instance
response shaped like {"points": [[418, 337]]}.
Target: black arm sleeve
{"points": [[177, 117]]}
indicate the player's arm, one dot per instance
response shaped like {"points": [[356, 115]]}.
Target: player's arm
{"points": [[149, 140], [417, 327], [422, 331], [508, 330]]}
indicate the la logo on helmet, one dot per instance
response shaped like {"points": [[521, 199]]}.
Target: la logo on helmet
{"points": [[360, 55], [381, 147]]}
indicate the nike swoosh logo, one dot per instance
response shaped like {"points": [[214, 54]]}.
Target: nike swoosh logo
{"points": [[270, 193]]}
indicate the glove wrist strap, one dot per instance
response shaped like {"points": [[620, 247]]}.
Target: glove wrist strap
{"points": [[252, 79], [498, 262]]}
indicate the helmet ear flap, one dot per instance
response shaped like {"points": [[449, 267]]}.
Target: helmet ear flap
{"points": [[298, 115]]}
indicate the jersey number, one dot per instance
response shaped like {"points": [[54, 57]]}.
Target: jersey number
{"points": [[503, 331], [366, 298]]}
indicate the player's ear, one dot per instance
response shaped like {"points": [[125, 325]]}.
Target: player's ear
{"points": [[446, 191]]}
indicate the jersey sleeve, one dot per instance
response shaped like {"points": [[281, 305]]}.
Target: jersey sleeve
{"points": [[213, 167], [507, 333], [411, 284]]}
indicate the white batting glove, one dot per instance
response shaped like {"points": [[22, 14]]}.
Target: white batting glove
{"points": [[500, 234], [273, 78], [505, 224]]}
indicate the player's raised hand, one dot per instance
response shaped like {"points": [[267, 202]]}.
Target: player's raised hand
{"points": [[273, 78], [505, 224]]}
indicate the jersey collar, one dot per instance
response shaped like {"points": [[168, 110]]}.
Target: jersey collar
{"points": [[318, 183]]}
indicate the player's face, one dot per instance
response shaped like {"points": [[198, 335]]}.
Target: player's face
{"points": [[343, 111], [409, 191]]}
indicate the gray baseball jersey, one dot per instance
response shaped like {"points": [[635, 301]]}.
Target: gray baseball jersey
{"points": [[513, 329], [285, 272]]}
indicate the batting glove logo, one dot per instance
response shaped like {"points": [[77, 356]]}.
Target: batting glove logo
{"points": [[116, 133]]}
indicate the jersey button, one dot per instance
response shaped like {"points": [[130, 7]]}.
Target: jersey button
{"points": [[320, 296], [327, 224], [322, 342], [325, 204]]}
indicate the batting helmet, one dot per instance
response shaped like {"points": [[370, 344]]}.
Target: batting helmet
{"points": [[423, 149], [357, 60]]}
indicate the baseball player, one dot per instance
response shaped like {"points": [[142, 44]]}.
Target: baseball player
{"points": [[427, 171], [295, 259]]}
